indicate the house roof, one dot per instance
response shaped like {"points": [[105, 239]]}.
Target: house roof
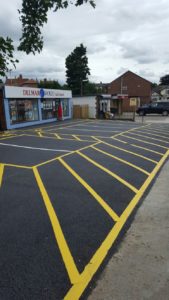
{"points": [[128, 72], [20, 81]]}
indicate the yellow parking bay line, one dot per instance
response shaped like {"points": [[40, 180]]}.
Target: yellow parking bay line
{"points": [[85, 277], [150, 138], [104, 205], [61, 241], [1, 173], [121, 160], [131, 187], [127, 151], [157, 130], [145, 142]]}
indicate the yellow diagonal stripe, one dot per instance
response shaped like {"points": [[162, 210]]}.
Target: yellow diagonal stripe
{"points": [[106, 207], [127, 151], [1, 173], [62, 244], [131, 187], [121, 160], [77, 289]]}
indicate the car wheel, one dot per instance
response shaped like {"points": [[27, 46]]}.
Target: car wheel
{"points": [[165, 113], [141, 113]]}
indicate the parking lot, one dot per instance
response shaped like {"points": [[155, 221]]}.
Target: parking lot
{"points": [[67, 190]]}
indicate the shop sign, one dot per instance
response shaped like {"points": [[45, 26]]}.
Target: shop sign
{"points": [[26, 92]]}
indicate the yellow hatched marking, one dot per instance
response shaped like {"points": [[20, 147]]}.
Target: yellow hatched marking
{"points": [[161, 129], [39, 133], [127, 151], [18, 166], [157, 130], [118, 140], [145, 142], [131, 187], [129, 130], [149, 150], [147, 137], [1, 173], [76, 137], [10, 136], [61, 241], [85, 277], [58, 136], [154, 134], [104, 205], [56, 158], [122, 160]]}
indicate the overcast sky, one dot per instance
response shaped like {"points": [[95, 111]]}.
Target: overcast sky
{"points": [[119, 35]]}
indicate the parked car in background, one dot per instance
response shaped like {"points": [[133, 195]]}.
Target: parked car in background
{"points": [[161, 107]]}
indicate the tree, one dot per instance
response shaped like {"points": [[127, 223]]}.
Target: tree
{"points": [[6, 55], [77, 69], [164, 80], [49, 84], [33, 16]]}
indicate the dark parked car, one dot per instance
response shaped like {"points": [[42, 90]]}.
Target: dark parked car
{"points": [[161, 107]]}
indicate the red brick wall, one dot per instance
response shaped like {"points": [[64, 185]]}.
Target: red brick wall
{"points": [[136, 87]]}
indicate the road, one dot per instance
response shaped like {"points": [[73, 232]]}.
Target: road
{"points": [[67, 191]]}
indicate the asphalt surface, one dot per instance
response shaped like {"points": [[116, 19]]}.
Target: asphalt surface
{"points": [[66, 191]]}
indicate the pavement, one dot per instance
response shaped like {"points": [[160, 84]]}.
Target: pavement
{"points": [[69, 192]]}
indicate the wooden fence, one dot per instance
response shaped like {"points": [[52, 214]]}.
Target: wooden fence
{"points": [[80, 111]]}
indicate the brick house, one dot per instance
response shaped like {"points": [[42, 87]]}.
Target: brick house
{"points": [[20, 81], [129, 85]]}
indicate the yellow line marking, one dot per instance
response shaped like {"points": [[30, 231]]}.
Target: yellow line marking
{"points": [[131, 187], [118, 140], [61, 241], [11, 136], [65, 125], [58, 136], [1, 173], [145, 142], [52, 160], [39, 133], [129, 130], [150, 133], [17, 166], [85, 277], [149, 150], [49, 137], [122, 160], [104, 205], [76, 137], [57, 157], [157, 130], [147, 137], [127, 151]]}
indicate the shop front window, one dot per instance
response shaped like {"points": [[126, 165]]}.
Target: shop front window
{"points": [[23, 111], [49, 109], [65, 106]]}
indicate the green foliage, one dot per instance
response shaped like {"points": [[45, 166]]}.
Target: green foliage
{"points": [[89, 89], [33, 16], [77, 69], [49, 84], [6, 55], [164, 80]]}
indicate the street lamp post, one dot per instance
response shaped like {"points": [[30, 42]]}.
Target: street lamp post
{"points": [[81, 86]]}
